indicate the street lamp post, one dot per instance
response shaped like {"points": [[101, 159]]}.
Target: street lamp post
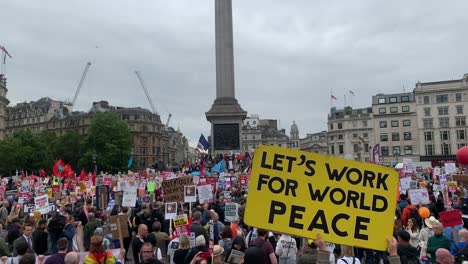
{"points": [[94, 162]]}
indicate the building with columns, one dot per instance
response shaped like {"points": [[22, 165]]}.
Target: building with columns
{"points": [[316, 142], [294, 136], [3, 104], [441, 113]]}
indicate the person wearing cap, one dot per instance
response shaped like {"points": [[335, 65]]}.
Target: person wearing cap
{"points": [[437, 241], [406, 252], [39, 237], [218, 255]]}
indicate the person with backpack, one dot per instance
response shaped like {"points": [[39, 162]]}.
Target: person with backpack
{"points": [[261, 250]]}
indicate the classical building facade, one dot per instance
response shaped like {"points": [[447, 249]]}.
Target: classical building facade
{"points": [[151, 140], [294, 136], [395, 127], [3, 104], [441, 112], [350, 133], [316, 142], [258, 132]]}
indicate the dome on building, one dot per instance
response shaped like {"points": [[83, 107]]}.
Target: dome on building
{"points": [[294, 128]]}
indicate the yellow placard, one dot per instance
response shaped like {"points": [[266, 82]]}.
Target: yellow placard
{"points": [[181, 220], [302, 194], [49, 193]]}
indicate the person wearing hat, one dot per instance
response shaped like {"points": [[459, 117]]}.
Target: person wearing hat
{"points": [[407, 253], [218, 255], [437, 241], [424, 234]]}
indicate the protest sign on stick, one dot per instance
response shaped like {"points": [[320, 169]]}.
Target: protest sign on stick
{"points": [[451, 218], [303, 194], [174, 188]]}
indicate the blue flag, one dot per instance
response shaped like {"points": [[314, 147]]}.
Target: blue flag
{"points": [[130, 160], [203, 144], [220, 167]]}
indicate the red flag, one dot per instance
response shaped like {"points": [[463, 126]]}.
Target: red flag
{"points": [[94, 178], [22, 174], [82, 175], [42, 173], [58, 168], [68, 171]]}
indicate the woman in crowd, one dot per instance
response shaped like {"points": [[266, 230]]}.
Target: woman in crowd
{"points": [[413, 230], [98, 255], [182, 254]]}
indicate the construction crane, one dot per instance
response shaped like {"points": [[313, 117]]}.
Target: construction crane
{"points": [[83, 76], [138, 74]]}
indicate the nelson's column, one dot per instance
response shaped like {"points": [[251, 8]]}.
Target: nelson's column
{"points": [[226, 114]]}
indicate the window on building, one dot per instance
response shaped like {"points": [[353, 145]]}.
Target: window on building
{"points": [[407, 135], [355, 135], [427, 111], [340, 125], [365, 135], [340, 137], [461, 134], [383, 124], [364, 123], [356, 148], [428, 136], [354, 123], [445, 148], [429, 150], [395, 136], [405, 98], [460, 121], [443, 110], [340, 149], [427, 123], [442, 98], [254, 122], [426, 99], [381, 100], [393, 109], [444, 122], [384, 151], [384, 137], [459, 109], [332, 149], [445, 135], [392, 99], [332, 137], [396, 150], [406, 123], [395, 123], [382, 110], [331, 126], [408, 150], [460, 145], [253, 137], [458, 97], [405, 108], [366, 147]]}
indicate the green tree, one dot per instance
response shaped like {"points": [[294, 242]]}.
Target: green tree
{"points": [[110, 141], [69, 148], [24, 151]]}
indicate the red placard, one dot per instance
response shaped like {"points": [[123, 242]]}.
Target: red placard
{"points": [[243, 180], [451, 218]]}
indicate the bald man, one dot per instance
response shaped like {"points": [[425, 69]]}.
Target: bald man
{"points": [[138, 242], [72, 258]]}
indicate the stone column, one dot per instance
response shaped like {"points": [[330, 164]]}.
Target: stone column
{"points": [[224, 49]]}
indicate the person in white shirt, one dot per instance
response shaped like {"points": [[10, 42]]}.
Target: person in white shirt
{"points": [[286, 249], [347, 256]]}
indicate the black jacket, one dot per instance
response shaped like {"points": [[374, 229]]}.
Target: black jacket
{"points": [[39, 238]]}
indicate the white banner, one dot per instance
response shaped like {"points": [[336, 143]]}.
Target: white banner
{"points": [[419, 196], [129, 197], [231, 212], [205, 193], [42, 203]]}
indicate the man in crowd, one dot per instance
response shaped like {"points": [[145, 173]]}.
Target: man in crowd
{"points": [[72, 258], [39, 237], [27, 233], [59, 258], [407, 253], [138, 241], [147, 254], [217, 227], [196, 226], [89, 228], [265, 246]]}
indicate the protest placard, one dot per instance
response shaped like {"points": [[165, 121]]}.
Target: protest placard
{"points": [[419, 196], [302, 194], [190, 194], [129, 197], [231, 212], [405, 183], [452, 186], [171, 210], [42, 203], [113, 219], [181, 220], [205, 193], [451, 218], [450, 167], [174, 188]]}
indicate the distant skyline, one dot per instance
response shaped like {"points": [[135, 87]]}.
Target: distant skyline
{"points": [[289, 56]]}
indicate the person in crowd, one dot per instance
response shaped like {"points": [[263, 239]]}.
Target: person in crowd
{"points": [[4, 250], [216, 225], [108, 241], [397, 224], [238, 244], [161, 239], [26, 237], [98, 255], [21, 249], [268, 253], [403, 202], [30, 258], [138, 241], [413, 230], [437, 241], [226, 241], [69, 230], [55, 229], [14, 232], [443, 256], [461, 243], [15, 212], [424, 234], [4, 212], [407, 253], [181, 255], [464, 211], [59, 257], [39, 237], [72, 258], [347, 256], [128, 240], [200, 246], [286, 249], [218, 255], [148, 256], [196, 226], [89, 228]]}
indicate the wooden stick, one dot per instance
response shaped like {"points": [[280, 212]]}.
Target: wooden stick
{"points": [[120, 233]]}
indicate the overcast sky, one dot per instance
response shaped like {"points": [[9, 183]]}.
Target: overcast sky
{"points": [[289, 55]]}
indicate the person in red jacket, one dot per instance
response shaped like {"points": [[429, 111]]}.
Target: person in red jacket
{"points": [[406, 214]]}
